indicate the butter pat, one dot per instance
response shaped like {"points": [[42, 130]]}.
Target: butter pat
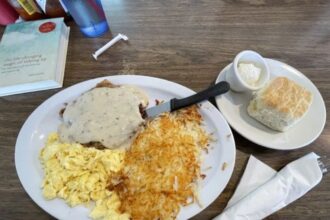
{"points": [[249, 73]]}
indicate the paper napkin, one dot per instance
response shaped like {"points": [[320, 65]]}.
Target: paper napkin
{"points": [[263, 191]]}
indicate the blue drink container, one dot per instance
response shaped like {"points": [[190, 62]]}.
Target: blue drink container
{"points": [[89, 16]]}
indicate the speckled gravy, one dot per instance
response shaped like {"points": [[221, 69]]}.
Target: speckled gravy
{"points": [[110, 116]]}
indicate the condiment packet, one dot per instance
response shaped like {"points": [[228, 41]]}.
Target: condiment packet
{"points": [[263, 191]]}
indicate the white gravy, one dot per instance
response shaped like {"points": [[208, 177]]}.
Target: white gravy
{"points": [[110, 116]]}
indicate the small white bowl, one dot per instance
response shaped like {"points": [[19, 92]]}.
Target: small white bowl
{"points": [[236, 82]]}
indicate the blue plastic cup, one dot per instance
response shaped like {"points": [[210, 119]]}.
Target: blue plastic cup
{"points": [[89, 16]]}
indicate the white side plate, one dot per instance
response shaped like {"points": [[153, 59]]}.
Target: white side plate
{"points": [[233, 107]]}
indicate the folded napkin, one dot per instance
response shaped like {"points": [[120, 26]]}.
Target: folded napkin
{"points": [[263, 191]]}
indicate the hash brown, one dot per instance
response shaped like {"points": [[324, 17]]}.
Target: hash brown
{"points": [[162, 167]]}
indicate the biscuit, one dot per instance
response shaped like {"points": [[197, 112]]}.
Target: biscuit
{"points": [[280, 104]]}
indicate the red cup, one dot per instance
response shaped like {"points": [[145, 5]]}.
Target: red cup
{"points": [[8, 15]]}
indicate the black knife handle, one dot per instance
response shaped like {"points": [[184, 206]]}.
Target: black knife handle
{"points": [[217, 89]]}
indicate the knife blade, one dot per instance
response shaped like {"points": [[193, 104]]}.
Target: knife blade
{"points": [[175, 104]]}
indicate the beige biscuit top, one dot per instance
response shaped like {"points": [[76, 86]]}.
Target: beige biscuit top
{"points": [[286, 96]]}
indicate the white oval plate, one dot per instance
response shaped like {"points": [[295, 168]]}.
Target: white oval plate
{"points": [[45, 119], [233, 107]]}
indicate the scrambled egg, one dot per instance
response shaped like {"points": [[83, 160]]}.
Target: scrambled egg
{"points": [[80, 175]]}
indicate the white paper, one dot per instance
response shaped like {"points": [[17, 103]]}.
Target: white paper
{"points": [[289, 184], [42, 4], [109, 44], [252, 179]]}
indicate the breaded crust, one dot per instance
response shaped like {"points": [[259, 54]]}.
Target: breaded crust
{"points": [[104, 83], [107, 84]]}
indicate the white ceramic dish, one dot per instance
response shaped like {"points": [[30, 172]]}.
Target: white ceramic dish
{"points": [[233, 107], [237, 83], [45, 119]]}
